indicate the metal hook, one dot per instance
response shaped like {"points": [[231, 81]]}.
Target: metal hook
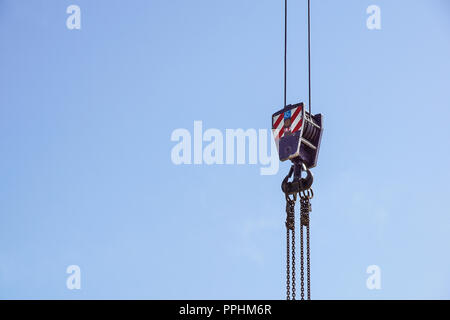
{"points": [[298, 184]]}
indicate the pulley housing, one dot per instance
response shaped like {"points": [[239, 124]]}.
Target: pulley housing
{"points": [[297, 134]]}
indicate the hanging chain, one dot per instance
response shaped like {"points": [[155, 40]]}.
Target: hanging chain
{"points": [[308, 265], [288, 272], [305, 209], [302, 273], [290, 227], [293, 259]]}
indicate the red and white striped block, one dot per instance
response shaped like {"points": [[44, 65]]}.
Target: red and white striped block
{"points": [[278, 123]]}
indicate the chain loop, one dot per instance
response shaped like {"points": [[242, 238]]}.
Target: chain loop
{"points": [[305, 209], [308, 265], [290, 227], [288, 272], [293, 262], [302, 273]]}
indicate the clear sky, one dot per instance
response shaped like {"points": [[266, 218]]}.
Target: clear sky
{"points": [[86, 174]]}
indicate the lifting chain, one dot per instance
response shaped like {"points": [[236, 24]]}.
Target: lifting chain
{"points": [[299, 187], [290, 228], [305, 209], [293, 262], [302, 272], [288, 271]]}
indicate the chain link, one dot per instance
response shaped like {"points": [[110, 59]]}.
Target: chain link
{"points": [[308, 265], [302, 273], [293, 262], [305, 209], [288, 272], [290, 227]]}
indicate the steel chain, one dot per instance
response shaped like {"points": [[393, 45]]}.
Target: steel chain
{"points": [[305, 209], [302, 273], [290, 227], [308, 266], [288, 272], [293, 262]]}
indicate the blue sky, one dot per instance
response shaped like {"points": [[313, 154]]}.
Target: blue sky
{"points": [[86, 118]]}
